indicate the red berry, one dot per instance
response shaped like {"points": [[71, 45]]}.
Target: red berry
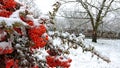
{"points": [[69, 60]]}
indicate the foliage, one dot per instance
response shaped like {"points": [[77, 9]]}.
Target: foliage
{"points": [[20, 42]]}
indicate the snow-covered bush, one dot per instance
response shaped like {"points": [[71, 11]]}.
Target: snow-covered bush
{"points": [[24, 42]]}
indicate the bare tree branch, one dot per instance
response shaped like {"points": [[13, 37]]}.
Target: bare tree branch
{"points": [[88, 11], [73, 17], [108, 8], [93, 6]]}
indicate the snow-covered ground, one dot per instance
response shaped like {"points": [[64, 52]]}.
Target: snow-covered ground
{"points": [[108, 48]]}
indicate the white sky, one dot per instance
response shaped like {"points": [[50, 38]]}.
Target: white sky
{"points": [[45, 5]]}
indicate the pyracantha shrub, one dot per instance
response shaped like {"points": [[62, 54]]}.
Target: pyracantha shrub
{"points": [[20, 41]]}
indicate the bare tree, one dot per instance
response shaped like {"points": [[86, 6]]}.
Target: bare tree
{"points": [[97, 11]]}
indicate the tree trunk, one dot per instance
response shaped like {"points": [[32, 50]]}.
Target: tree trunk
{"points": [[94, 36]]}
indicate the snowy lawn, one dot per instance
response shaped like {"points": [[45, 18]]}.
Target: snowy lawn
{"points": [[108, 48]]}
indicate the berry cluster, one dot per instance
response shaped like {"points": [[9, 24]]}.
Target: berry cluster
{"points": [[7, 50], [54, 61], [11, 63], [35, 33], [5, 13], [9, 4], [23, 18], [7, 7], [18, 30]]}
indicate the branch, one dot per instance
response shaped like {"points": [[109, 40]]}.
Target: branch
{"points": [[82, 45], [73, 17], [73, 14], [95, 52], [108, 8], [67, 1], [100, 11], [92, 6], [84, 23], [85, 6], [114, 9], [92, 50]]}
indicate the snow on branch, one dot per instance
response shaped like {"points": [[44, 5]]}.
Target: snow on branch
{"points": [[72, 40], [93, 51], [11, 21]]}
